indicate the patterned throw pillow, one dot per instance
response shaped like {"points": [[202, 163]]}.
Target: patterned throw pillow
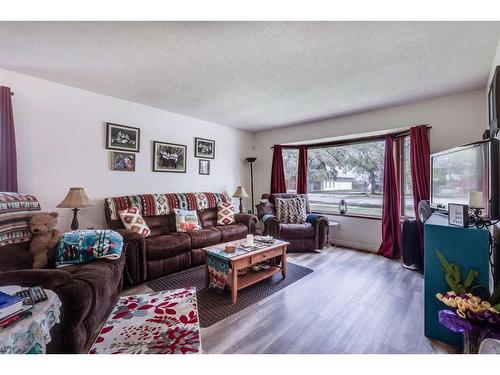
{"points": [[134, 222], [225, 213], [291, 211], [186, 220]]}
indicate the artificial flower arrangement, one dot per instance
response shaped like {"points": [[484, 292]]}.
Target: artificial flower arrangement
{"points": [[471, 315]]}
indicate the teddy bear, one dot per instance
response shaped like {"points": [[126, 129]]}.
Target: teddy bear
{"points": [[45, 237]]}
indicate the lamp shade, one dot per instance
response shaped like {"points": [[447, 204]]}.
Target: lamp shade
{"points": [[240, 193], [76, 198]]}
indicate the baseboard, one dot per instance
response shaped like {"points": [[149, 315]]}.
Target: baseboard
{"points": [[355, 245]]}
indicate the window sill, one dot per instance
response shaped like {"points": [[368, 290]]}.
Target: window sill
{"points": [[349, 215]]}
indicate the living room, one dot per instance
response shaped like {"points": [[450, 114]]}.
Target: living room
{"points": [[249, 187]]}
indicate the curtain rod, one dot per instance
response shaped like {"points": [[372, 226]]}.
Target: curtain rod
{"points": [[368, 138]]}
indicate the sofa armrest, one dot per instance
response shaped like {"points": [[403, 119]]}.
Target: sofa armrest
{"points": [[47, 278], [271, 225], [321, 227], [134, 247], [248, 219]]}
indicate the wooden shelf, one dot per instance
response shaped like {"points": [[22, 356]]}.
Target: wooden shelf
{"points": [[254, 277]]}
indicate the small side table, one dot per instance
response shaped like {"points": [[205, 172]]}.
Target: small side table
{"points": [[31, 335]]}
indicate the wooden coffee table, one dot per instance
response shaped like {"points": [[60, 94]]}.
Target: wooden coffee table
{"points": [[249, 259]]}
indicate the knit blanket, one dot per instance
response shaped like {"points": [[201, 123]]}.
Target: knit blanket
{"points": [[84, 246], [15, 209], [162, 204]]}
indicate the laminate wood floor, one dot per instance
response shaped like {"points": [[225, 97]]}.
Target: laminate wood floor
{"points": [[353, 302]]}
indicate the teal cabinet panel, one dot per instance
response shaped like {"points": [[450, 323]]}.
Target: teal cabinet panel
{"points": [[469, 248]]}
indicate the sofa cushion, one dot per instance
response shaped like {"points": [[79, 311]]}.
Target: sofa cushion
{"points": [[225, 213], [161, 224], [186, 220], [291, 210], [208, 217], [204, 237], [296, 231], [133, 221], [232, 232], [167, 245]]}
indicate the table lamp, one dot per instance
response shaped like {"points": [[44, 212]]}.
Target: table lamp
{"points": [[75, 199], [240, 193]]}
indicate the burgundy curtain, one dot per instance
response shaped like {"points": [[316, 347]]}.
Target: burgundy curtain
{"points": [[420, 161], [302, 171], [278, 184], [8, 161], [391, 228]]}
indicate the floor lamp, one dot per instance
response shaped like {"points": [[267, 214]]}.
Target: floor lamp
{"points": [[251, 161]]}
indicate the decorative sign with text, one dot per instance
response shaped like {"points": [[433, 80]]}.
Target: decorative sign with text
{"points": [[458, 215]]}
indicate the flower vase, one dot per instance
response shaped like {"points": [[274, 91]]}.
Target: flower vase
{"points": [[472, 340]]}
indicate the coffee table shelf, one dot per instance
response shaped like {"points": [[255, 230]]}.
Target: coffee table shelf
{"points": [[254, 277]]}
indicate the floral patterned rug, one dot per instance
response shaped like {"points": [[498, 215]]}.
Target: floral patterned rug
{"points": [[164, 322]]}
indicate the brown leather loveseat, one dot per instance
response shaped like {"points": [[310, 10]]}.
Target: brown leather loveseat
{"points": [[167, 251], [88, 292]]}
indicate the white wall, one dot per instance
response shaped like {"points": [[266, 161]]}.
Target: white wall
{"points": [[455, 120], [60, 136]]}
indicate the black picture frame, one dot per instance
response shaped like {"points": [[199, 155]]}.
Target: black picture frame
{"points": [[119, 161], [128, 131], [162, 165], [204, 148], [204, 171], [458, 215]]}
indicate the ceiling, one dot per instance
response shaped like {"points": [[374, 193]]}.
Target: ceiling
{"points": [[256, 75]]}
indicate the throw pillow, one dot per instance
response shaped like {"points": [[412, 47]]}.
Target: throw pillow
{"points": [[134, 222], [291, 210], [84, 246], [186, 220], [225, 213]]}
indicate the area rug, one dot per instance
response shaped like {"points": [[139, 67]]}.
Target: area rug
{"points": [[215, 305], [163, 322]]}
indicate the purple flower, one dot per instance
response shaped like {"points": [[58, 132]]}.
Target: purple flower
{"points": [[453, 322]]}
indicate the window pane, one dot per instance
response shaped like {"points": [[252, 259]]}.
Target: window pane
{"points": [[290, 161], [353, 173], [408, 187]]}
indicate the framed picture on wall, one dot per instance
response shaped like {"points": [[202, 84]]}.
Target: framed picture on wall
{"points": [[204, 167], [123, 161], [204, 148], [169, 157], [122, 138]]}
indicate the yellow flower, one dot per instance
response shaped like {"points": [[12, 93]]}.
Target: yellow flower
{"points": [[474, 308], [461, 305], [452, 293], [468, 295], [485, 304], [451, 302], [475, 300], [492, 309], [461, 314], [439, 296]]}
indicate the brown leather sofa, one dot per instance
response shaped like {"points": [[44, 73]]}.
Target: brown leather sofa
{"points": [[88, 293], [311, 235], [167, 251]]}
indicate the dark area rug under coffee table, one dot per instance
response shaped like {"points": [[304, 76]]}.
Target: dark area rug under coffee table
{"points": [[215, 305]]}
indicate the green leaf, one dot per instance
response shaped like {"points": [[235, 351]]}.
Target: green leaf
{"points": [[471, 276], [497, 307], [446, 265]]}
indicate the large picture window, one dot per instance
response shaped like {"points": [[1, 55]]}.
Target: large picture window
{"points": [[352, 172]]}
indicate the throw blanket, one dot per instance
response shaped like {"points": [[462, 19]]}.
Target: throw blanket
{"points": [[14, 212], [218, 265], [84, 246]]}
